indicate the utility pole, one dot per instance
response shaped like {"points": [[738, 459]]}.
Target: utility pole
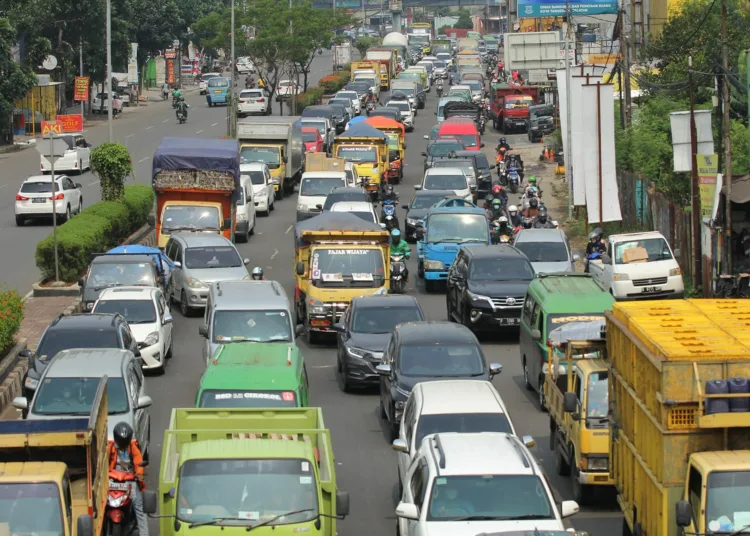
{"points": [[695, 192], [80, 67], [628, 101], [568, 155], [109, 70], [232, 103], [727, 132]]}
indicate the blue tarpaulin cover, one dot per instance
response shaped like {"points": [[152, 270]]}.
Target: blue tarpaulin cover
{"points": [[198, 153], [362, 130]]}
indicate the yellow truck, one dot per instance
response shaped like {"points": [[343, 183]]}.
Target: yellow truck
{"points": [[337, 256], [367, 148], [575, 389], [366, 68], [388, 58], [680, 415]]}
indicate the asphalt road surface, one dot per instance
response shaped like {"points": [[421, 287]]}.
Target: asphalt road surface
{"points": [[365, 463]]}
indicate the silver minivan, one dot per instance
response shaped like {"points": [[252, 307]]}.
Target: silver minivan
{"points": [[201, 259], [242, 311]]}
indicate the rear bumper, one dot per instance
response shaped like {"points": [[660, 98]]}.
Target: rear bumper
{"points": [[595, 478]]}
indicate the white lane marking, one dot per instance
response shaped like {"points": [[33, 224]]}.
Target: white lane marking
{"points": [[165, 120], [143, 159], [126, 137], [3, 185], [290, 228], [201, 130], [149, 128], [213, 125], [275, 252], [93, 183], [323, 366]]}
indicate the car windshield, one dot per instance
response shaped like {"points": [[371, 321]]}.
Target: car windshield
{"points": [[348, 268], [440, 65], [726, 500], [500, 270], [597, 396], [544, 251], [242, 491], [57, 340], [218, 82], [468, 140], [134, 311], [346, 103], [367, 216], [75, 396], [126, 274], [403, 106], [225, 398], [556, 322], [253, 326], [435, 181], [335, 197], [475, 85], [358, 153], [38, 187], [382, 320], [252, 94], [208, 76], [464, 423], [497, 497], [407, 76], [265, 155], [445, 148], [212, 257], [648, 249], [257, 178], [320, 186], [438, 360], [457, 228], [426, 201], [177, 217], [466, 166], [318, 124], [31, 508], [310, 136]]}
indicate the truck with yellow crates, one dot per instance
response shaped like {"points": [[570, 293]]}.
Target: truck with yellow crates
{"points": [[576, 391], [680, 454]]}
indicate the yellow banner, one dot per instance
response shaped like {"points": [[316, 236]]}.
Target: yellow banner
{"points": [[601, 59], [707, 170]]}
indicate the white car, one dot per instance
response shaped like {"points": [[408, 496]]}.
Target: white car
{"points": [[407, 112], [263, 192], [447, 178], [286, 88], [100, 102], [361, 209], [352, 96], [253, 101], [147, 313], [203, 84], [77, 156], [372, 80], [245, 65], [34, 199], [490, 478]]}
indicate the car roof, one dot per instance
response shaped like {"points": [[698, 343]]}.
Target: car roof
{"points": [[457, 210], [445, 139], [352, 206], [87, 363], [435, 193], [493, 251], [249, 366], [114, 258], [540, 235], [324, 174], [385, 300], [128, 293], [44, 178], [459, 396], [348, 190], [83, 321], [439, 161], [255, 166], [197, 240], [570, 292], [491, 453], [432, 332], [248, 295], [445, 170]]}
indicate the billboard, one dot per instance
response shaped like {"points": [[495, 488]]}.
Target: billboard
{"points": [[557, 8]]}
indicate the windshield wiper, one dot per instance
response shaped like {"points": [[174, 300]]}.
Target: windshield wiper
{"points": [[527, 516], [278, 517], [215, 520], [482, 518], [102, 287]]}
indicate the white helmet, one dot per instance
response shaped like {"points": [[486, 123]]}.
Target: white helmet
{"points": [[503, 219], [512, 209]]}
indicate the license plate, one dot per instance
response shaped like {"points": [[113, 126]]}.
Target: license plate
{"points": [[508, 321], [217, 91], [39, 200], [119, 486], [648, 290]]}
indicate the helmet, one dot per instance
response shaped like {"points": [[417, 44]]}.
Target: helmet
{"points": [[489, 198], [503, 220], [497, 189], [389, 189], [513, 209], [396, 233], [122, 434], [533, 202], [496, 203], [502, 141], [532, 179], [257, 273]]}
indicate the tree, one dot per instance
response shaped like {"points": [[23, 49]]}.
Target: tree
{"points": [[112, 164], [363, 43], [464, 20]]}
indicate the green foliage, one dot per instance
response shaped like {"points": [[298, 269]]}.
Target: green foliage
{"points": [[740, 149], [441, 30], [363, 43], [98, 228], [11, 315], [112, 163], [309, 98], [334, 82], [464, 20]]}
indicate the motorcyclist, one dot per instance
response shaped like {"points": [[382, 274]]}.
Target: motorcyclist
{"points": [[499, 193], [248, 82], [488, 199], [182, 107], [124, 455], [514, 161], [595, 245], [503, 229], [515, 217], [257, 274], [176, 93], [439, 87], [390, 194], [400, 247], [542, 221], [496, 209], [532, 211], [165, 90], [503, 144], [532, 186]]}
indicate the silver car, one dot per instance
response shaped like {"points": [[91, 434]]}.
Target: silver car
{"points": [[201, 259], [547, 250], [68, 387]]}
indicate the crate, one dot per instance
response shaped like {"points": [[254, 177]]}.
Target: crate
{"points": [[624, 311], [711, 307]]}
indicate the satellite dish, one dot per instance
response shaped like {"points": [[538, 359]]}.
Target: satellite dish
{"points": [[49, 63]]}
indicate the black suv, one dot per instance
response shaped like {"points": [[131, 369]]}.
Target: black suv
{"points": [[484, 171], [427, 351], [486, 286], [91, 330], [119, 269], [440, 148], [541, 121]]}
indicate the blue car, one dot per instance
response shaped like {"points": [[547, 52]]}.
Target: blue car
{"points": [[446, 230], [217, 90]]}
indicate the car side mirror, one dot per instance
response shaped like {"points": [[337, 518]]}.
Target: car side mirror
{"points": [[425, 154], [569, 508], [495, 369], [203, 331], [481, 145], [576, 257], [383, 370], [677, 252], [149, 502], [299, 329], [144, 402], [570, 402], [407, 511], [319, 207], [399, 445], [151, 220], [137, 354], [25, 353], [245, 261], [81, 282], [473, 187], [85, 525], [405, 207], [79, 185], [300, 268], [20, 402], [342, 503], [177, 264], [683, 513], [339, 327], [417, 186], [227, 224], [284, 159], [528, 441], [168, 319], [536, 335]]}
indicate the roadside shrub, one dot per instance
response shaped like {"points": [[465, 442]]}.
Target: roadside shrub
{"points": [[330, 83], [309, 98], [11, 315], [98, 228]]}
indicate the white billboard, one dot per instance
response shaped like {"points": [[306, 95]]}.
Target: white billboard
{"points": [[680, 123], [532, 50]]}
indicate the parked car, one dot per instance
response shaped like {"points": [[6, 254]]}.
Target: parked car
{"points": [[253, 102], [34, 199], [286, 88], [77, 156]]}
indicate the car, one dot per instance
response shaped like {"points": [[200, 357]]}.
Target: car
{"points": [[463, 129], [465, 406], [486, 287], [253, 102], [547, 250], [417, 209], [100, 102], [477, 89], [363, 334], [322, 111], [119, 269], [441, 147], [314, 189], [286, 88], [325, 127], [149, 318], [348, 193], [441, 69], [217, 91], [201, 259], [373, 83], [314, 142], [264, 194], [466, 164], [362, 209], [426, 351], [77, 156], [483, 169], [447, 178], [353, 96], [203, 83], [468, 484], [341, 117], [432, 136], [406, 111], [34, 199], [75, 331], [70, 383], [390, 112], [346, 103], [541, 121], [361, 87], [244, 65]]}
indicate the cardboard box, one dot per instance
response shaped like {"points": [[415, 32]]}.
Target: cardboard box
{"points": [[632, 255]]}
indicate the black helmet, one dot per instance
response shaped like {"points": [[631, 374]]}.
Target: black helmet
{"points": [[123, 434], [502, 140], [489, 199], [533, 202]]}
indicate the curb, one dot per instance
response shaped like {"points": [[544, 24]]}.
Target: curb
{"points": [[12, 370]]}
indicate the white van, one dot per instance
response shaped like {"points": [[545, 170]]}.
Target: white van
{"points": [[313, 190], [245, 207]]}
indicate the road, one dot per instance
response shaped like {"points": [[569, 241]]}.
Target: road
{"points": [[140, 129], [366, 465]]}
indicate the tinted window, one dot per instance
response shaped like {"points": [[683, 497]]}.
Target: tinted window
{"points": [[481, 160], [500, 270], [75, 396], [254, 326], [403, 106], [383, 319], [251, 94], [366, 216], [544, 251], [212, 257], [341, 102], [426, 201], [57, 340], [445, 182], [265, 155], [310, 136], [319, 186], [134, 311], [38, 187], [444, 148], [335, 197], [256, 177], [468, 140], [441, 360], [464, 423]]}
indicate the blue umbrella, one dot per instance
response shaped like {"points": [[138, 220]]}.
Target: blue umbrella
{"points": [[356, 120]]}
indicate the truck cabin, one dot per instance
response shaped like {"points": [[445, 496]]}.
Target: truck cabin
{"points": [[272, 156], [518, 102]]}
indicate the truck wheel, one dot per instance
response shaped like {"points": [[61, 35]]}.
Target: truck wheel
{"points": [[280, 192], [552, 434], [526, 382], [582, 494], [542, 400], [429, 286], [561, 466]]}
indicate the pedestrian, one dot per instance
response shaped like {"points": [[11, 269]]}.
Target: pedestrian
{"points": [[116, 105]]}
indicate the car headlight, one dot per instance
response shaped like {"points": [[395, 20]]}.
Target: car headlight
{"points": [[302, 208], [262, 194], [478, 297], [620, 277], [31, 383], [275, 180], [359, 353], [194, 283], [599, 463], [316, 307], [675, 271], [241, 216], [433, 265], [151, 339]]}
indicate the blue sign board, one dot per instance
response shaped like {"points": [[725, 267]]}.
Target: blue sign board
{"points": [[556, 8]]}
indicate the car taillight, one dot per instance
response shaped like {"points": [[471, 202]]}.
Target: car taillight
{"points": [[261, 100], [74, 165], [19, 197], [242, 101], [58, 197]]}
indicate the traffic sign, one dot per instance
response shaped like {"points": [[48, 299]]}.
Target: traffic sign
{"points": [[51, 126]]}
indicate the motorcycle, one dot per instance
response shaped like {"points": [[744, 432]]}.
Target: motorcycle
{"points": [[181, 117], [120, 515], [370, 107], [174, 102], [398, 268], [500, 166], [596, 255], [498, 238], [439, 90], [389, 214], [513, 180], [481, 125]]}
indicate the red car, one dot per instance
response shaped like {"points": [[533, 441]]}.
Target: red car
{"points": [[313, 140]]}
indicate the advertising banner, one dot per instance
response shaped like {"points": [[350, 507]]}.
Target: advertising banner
{"points": [[707, 170], [70, 122], [556, 8], [133, 64], [81, 88], [170, 71], [51, 126]]}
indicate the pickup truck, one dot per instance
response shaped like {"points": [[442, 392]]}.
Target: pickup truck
{"points": [[638, 266], [509, 108]]}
